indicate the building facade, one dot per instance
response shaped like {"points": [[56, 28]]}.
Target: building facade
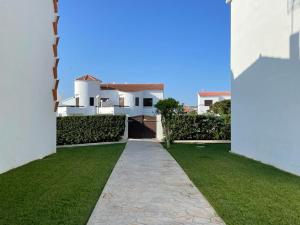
{"points": [[28, 87], [265, 66], [207, 99], [92, 97]]}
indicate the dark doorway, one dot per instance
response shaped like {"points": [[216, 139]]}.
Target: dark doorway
{"points": [[121, 102], [142, 127], [92, 102], [77, 102]]}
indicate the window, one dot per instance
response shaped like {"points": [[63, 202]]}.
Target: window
{"points": [[92, 102], [121, 102], [137, 101], [148, 102], [208, 102], [104, 99], [77, 101], [103, 102]]}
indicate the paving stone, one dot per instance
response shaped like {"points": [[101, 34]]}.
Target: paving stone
{"points": [[148, 187]]}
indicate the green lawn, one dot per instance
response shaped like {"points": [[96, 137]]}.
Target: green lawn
{"points": [[60, 189], [243, 191]]}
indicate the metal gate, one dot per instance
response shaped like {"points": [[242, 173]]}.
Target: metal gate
{"points": [[142, 127]]}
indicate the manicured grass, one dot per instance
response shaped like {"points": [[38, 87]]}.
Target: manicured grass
{"points": [[243, 191], [60, 189]]}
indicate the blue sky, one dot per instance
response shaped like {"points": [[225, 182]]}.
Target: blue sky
{"points": [[184, 44]]}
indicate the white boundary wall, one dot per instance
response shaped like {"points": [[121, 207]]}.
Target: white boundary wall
{"points": [[265, 86], [27, 117], [159, 129]]}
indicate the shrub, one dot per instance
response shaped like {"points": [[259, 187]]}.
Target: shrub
{"points": [[221, 108], [201, 127], [168, 108], [89, 129]]}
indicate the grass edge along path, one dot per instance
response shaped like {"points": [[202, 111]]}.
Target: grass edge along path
{"points": [[60, 189], [242, 191]]}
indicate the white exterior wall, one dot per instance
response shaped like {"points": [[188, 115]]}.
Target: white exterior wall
{"points": [[129, 98], [76, 111], [27, 117], [69, 102], [261, 27], [265, 84], [201, 102], [125, 136], [112, 95], [156, 95], [86, 90], [159, 129]]}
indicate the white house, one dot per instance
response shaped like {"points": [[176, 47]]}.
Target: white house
{"points": [[93, 97], [206, 99], [265, 66], [28, 68]]}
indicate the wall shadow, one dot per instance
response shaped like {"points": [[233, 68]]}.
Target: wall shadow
{"points": [[266, 110]]}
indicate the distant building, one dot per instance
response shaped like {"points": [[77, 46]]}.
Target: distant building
{"points": [[28, 86], [265, 65], [92, 97], [190, 109], [206, 99]]}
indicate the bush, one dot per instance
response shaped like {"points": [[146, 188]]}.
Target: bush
{"points": [[221, 108], [201, 127], [89, 129]]}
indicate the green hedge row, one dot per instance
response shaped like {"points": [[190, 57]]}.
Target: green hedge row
{"points": [[201, 127], [89, 129]]}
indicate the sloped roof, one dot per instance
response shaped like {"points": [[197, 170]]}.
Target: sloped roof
{"points": [[88, 77], [214, 94], [133, 87]]}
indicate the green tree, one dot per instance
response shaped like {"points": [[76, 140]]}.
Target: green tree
{"points": [[168, 108], [221, 108]]}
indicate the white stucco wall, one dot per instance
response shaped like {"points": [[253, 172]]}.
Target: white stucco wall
{"points": [[76, 111], [201, 102], [159, 129], [86, 90], [27, 117], [265, 82], [68, 102], [261, 27], [125, 136]]}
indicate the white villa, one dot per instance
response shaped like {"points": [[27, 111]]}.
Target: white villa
{"points": [[28, 87], [92, 97], [206, 99], [265, 64]]}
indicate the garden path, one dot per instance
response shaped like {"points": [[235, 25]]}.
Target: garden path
{"points": [[148, 187]]}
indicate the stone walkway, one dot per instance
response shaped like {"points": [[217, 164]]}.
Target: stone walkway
{"points": [[148, 187]]}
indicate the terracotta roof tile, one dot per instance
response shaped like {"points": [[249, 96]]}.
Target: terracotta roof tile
{"points": [[88, 77], [132, 87], [214, 94]]}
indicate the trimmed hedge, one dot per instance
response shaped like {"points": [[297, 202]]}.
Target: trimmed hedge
{"points": [[201, 127], [89, 129]]}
